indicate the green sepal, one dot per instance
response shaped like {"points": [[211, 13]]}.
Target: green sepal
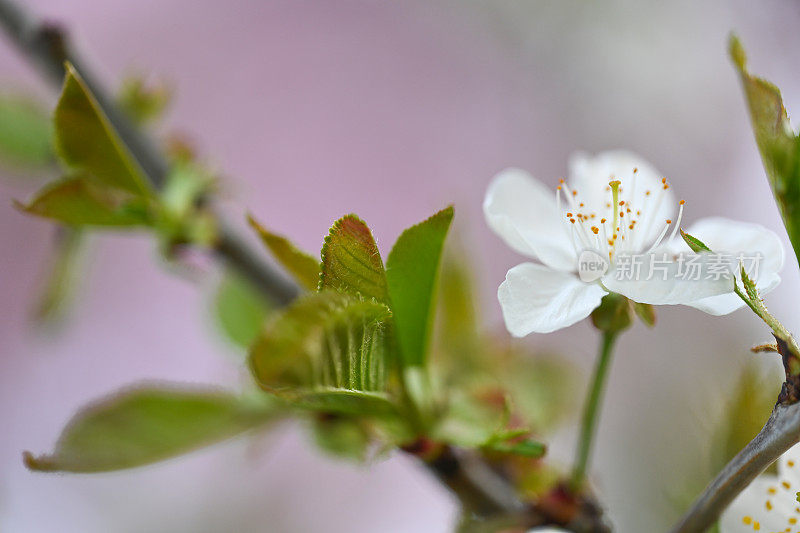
{"points": [[614, 314], [694, 243], [646, 313]]}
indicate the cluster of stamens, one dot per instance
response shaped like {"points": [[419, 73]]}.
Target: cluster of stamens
{"points": [[626, 227], [792, 522]]}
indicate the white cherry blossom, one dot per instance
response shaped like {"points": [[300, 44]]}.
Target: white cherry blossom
{"points": [[614, 206], [769, 504]]}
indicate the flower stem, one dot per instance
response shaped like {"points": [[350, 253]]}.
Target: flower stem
{"points": [[591, 410]]}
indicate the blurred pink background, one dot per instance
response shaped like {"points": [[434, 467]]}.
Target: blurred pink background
{"points": [[391, 110]]}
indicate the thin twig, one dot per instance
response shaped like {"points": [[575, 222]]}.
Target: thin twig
{"points": [[46, 45], [780, 433]]}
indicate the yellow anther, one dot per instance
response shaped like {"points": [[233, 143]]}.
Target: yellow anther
{"points": [[786, 485], [747, 520]]}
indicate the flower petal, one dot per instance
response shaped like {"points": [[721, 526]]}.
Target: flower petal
{"points": [[589, 176], [733, 237], [789, 467], [751, 507], [537, 299], [657, 279], [523, 212]]}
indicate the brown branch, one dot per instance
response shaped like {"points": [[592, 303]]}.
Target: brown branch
{"points": [[47, 46], [482, 491], [781, 432]]}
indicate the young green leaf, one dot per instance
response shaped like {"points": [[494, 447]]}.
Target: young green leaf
{"points": [[341, 436], [457, 329], [301, 265], [325, 340], [343, 401], [79, 201], [25, 133], [148, 424], [240, 310], [86, 140], [525, 448], [142, 102], [778, 145], [351, 262], [64, 270], [412, 270], [694, 243]]}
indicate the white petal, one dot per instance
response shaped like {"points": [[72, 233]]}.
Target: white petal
{"points": [[728, 303], [789, 467], [589, 175], [752, 503], [732, 237], [537, 299], [657, 279], [523, 212]]}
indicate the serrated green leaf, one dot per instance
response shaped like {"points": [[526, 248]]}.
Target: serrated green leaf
{"points": [[148, 424], [79, 201], [326, 340], [86, 140], [240, 310], [777, 143], [694, 243], [25, 133], [302, 266], [351, 262], [412, 270]]}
